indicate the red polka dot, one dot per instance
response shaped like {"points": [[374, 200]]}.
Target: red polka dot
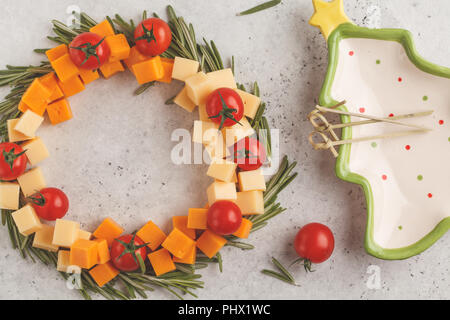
{"points": [[384, 177], [391, 115], [441, 122], [400, 79], [362, 110], [408, 147], [430, 195], [351, 53]]}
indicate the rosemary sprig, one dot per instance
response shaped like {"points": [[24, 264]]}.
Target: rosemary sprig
{"points": [[283, 274], [263, 6]]}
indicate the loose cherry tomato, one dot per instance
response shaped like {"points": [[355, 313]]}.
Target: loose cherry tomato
{"points": [[224, 217], [314, 243], [50, 204], [153, 37], [13, 161], [225, 106], [127, 251], [249, 154], [89, 51]]}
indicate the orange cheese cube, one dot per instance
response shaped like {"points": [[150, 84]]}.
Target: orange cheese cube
{"points": [[178, 243], [198, 219], [59, 111], [57, 94], [57, 52], [149, 70], [23, 107], [120, 49], [161, 262], [210, 243], [167, 65], [51, 82], [108, 230], [111, 68], [84, 253], [135, 57], [181, 223], [151, 234], [244, 230], [103, 273], [103, 29], [103, 251], [65, 69], [36, 96], [87, 76], [71, 87], [190, 257]]}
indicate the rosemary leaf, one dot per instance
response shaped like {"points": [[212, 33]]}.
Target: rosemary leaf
{"points": [[263, 6]]}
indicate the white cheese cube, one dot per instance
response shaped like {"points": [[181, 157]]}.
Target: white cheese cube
{"points": [[237, 132], [84, 235], [66, 233], [9, 195], [217, 150], [63, 261], [250, 202], [36, 151], [221, 191], [27, 220], [28, 123], [222, 79], [32, 181], [13, 135], [251, 103], [198, 88], [206, 132], [184, 101], [251, 180], [184, 68], [203, 115], [43, 239], [222, 170]]}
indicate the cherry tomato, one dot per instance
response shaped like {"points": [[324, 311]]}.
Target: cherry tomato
{"points": [[89, 51], [225, 106], [314, 243], [50, 204], [249, 154], [153, 37], [125, 252], [224, 217], [13, 161]]}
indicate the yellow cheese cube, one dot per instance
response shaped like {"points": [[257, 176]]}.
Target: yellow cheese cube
{"points": [[251, 103], [252, 180], [9, 195], [32, 181], [43, 239], [36, 151], [63, 261], [66, 233], [84, 235], [237, 132], [184, 101], [205, 132], [13, 135], [250, 202], [27, 220], [217, 150], [221, 191], [184, 68], [202, 114], [222, 79], [198, 88], [28, 123], [222, 170]]}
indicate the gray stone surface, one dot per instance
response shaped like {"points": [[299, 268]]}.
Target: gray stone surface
{"points": [[113, 158]]}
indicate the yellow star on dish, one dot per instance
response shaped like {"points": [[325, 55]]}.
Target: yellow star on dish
{"points": [[328, 16]]}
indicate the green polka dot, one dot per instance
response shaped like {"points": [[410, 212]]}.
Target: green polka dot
{"points": [[378, 61], [420, 177], [400, 227], [425, 98], [374, 144]]}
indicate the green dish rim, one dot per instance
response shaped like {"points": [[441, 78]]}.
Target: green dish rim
{"points": [[404, 37]]}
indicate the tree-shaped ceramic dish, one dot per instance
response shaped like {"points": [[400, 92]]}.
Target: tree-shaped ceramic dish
{"points": [[406, 180]]}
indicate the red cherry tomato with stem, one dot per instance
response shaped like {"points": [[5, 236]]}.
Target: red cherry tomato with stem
{"points": [[89, 51], [225, 106], [13, 161], [128, 253], [50, 203], [249, 154], [314, 243], [153, 37], [224, 217]]}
